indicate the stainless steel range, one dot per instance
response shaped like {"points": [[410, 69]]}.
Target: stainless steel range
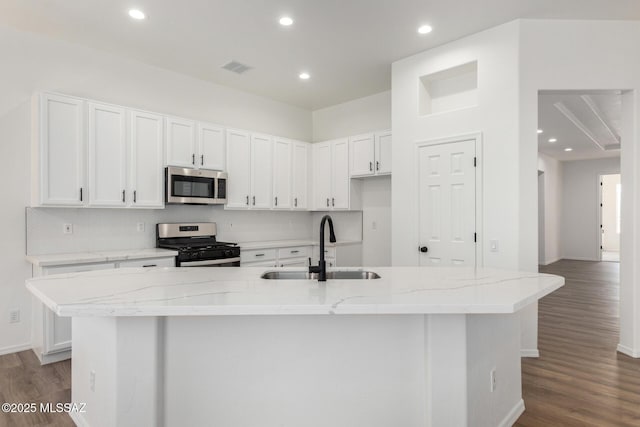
{"points": [[197, 245]]}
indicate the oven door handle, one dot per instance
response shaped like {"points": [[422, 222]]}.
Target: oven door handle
{"points": [[208, 262]]}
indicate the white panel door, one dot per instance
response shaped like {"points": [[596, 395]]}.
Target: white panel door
{"points": [[322, 175], [107, 155], [181, 142], [146, 171], [282, 164], [62, 166], [341, 180], [383, 153], [362, 155], [238, 168], [447, 204], [211, 147], [261, 171], [300, 169]]}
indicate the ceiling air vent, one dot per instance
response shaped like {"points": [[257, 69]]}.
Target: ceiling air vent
{"points": [[236, 67]]}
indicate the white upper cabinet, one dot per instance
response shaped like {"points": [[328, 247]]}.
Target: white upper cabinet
{"points": [[261, 171], [181, 142], [300, 175], [370, 154], [282, 173], [211, 147], [58, 152], [340, 174], [107, 155], [238, 168], [383, 153], [362, 154], [146, 172], [322, 175]]}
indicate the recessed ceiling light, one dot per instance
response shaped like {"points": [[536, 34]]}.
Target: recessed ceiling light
{"points": [[425, 29], [136, 14], [553, 139], [304, 76], [568, 149], [539, 131], [285, 21]]}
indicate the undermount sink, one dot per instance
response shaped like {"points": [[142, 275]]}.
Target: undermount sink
{"points": [[305, 275]]}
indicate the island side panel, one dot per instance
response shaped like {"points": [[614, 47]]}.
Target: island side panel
{"points": [[117, 370], [341, 370]]}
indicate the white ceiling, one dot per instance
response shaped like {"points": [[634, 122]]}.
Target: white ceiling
{"points": [[346, 45], [587, 122]]}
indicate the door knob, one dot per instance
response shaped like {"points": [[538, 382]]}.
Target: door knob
{"points": [[424, 249]]}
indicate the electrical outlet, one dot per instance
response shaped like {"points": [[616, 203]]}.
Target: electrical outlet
{"points": [[493, 246], [14, 316], [140, 227], [492, 379], [67, 228], [92, 380]]}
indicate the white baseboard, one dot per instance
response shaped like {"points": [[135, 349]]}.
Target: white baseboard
{"points": [[513, 415], [15, 349], [551, 261], [577, 258], [529, 352], [78, 419], [628, 351]]}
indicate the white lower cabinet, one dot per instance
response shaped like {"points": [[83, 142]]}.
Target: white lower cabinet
{"points": [[291, 256], [50, 333], [340, 256]]}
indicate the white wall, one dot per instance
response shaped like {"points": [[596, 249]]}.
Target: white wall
{"points": [[33, 62], [371, 113], [580, 206], [552, 206], [352, 118], [584, 55]]}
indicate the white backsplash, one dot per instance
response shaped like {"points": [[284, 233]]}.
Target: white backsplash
{"points": [[112, 229]]}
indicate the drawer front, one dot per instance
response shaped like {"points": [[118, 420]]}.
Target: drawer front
{"points": [[294, 252], [329, 252], [149, 262], [257, 255]]}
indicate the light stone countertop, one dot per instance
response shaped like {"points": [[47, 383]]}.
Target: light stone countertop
{"points": [[271, 244], [241, 291], [98, 256]]}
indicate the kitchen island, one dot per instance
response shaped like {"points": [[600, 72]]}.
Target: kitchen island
{"points": [[224, 347]]}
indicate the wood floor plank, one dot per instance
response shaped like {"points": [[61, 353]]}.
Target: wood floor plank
{"points": [[580, 379]]}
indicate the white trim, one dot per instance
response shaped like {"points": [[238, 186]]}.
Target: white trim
{"points": [[529, 352], [551, 261], [14, 348], [78, 419], [513, 415], [477, 137], [577, 258], [628, 351]]}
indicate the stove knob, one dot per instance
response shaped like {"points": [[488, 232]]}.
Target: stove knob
{"points": [[228, 253], [194, 255]]}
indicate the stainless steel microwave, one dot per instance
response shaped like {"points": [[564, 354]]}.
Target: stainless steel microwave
{"points": [[195, 186]]}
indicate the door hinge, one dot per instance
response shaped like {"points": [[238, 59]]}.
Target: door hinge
{"points": [[600, 184], [475, 160], [600, 204], [475, 237], [600, 247]]}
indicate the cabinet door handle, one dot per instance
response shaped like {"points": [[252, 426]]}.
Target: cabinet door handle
{"points": [[370, 166], [123, 196], [377, 165], [247, 200], [259, 255], [149, 265], [80, 193], [276, 200], [295, 252], [333, 202], [201, 159], [254, 200], [295, 202], [193, 159], [135, 196], [327, 202]]}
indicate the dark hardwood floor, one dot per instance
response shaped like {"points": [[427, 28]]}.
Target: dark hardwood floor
{"points": [[23, 380], [580, 379]]}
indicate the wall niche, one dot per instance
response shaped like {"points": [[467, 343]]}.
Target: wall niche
{"points": [[448, 90]]}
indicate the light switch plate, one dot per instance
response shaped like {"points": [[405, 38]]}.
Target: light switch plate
{"points": [[493, 246]]}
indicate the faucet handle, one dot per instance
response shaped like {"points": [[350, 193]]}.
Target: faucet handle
{"points": [[309, 261]]}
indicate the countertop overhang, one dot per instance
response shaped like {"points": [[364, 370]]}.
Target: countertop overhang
{"points": [[241, 291]]}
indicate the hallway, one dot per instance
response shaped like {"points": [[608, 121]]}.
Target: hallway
{"points": [[580, 379]]}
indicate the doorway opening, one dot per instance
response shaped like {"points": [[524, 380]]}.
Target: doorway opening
{"points": [[610, 191]]}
